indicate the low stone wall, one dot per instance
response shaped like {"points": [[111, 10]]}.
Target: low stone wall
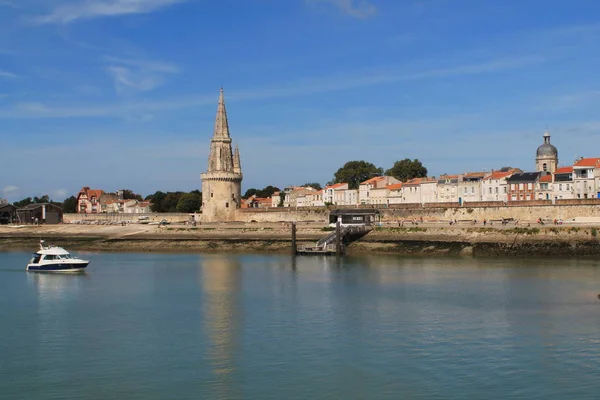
{"points": [[393, 214], [114, 217], [283, 214]]}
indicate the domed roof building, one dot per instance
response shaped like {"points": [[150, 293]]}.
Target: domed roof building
{"points": [[546, 159]]}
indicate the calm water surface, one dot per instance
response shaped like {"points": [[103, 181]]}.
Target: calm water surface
{"points": [[152, 326]]}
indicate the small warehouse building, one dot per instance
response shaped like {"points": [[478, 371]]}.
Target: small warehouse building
{"points": [[42, 213], [8, 214], [356, 216]]}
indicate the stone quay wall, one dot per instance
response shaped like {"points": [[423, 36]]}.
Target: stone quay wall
{"points": [[544, 210], [580, 210]]}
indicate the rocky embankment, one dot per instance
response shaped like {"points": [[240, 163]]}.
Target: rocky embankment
{"points": [[414, 240]]}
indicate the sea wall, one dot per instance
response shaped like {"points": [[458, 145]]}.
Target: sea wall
{"points": [[567, 210]]}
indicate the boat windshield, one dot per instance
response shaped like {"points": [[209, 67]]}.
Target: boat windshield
{"points": [[58, 257]]}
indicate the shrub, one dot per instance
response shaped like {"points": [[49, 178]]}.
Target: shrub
{"points": [[594, 232]]}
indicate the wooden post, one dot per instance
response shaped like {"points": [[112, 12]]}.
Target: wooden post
{"points": [[294, 247], [338, 241]]}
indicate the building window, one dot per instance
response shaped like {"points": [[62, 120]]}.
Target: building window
{"points": [[560, 186], [472, 189], [520, 186], [226, 205], [545, 167], [211, 195], [497, 190]]}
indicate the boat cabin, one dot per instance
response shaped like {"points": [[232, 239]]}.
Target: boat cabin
{"points": [[356, 216]]}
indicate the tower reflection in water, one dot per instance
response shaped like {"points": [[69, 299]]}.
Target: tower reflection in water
{"points": [[222, 313]]}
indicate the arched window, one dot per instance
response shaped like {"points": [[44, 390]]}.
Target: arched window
{"points": [[545, 167]]}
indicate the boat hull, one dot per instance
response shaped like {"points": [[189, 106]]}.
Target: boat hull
{"points": [[57, 267]]}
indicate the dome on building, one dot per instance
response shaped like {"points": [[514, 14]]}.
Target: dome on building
{"points": [[547, 150]]}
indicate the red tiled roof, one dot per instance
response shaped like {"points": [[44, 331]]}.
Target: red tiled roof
{"points": [[337, 185], [395, 186], [588, 162], [564, 170], [474, 174], [546, 178], [500, 174], [372, 180]]}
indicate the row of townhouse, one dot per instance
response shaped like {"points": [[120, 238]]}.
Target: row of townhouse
{"points": [[96, 201]]}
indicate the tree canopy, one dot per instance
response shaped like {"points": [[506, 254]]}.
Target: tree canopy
{"points": [[407, 169], [188, 203], [129, 195], [266, 192], [355, 172], [69, 205]]}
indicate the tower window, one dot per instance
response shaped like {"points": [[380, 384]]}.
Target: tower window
{"points": [[545, 167], [226, 205], [232, 196], [211, 195]]}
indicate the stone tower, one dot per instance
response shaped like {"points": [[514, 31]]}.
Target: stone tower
{"points": [[546, 160], [222, 182]]}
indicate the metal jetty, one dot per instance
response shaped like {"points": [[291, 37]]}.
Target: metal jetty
{"points": [[350, 226]]}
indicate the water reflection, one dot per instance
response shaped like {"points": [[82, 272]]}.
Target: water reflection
{"points": [[222, 317]]}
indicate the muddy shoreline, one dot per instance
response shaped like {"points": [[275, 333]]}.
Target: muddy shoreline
{"points": [[425, 241]]}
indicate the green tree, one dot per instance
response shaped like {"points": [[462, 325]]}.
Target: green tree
{"points": [[22, 203], [249, 193], [355, 172], [69, 205], [169, 203], [129, 195], [268, 191], [156, 200], [314, 185], [44, 199], [407, 169], [188, 203]]}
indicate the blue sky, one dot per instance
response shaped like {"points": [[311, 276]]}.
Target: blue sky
{"points": [[122, 93]]}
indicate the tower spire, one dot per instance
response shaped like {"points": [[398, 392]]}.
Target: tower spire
{"points": [[237, 165], [221, 124]]}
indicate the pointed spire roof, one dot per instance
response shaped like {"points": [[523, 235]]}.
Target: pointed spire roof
{"points": [[221, 124]]}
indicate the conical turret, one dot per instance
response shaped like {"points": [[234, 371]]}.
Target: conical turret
{"points": [[221, 130], [237, 164]]}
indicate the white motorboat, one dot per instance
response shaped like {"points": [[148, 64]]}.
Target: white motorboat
{"points": [[55, 259]]}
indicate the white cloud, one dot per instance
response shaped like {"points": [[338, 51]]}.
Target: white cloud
{"points": [[8, 190], [60, 194], [126, 79], [353, 8], [137, 74], [148, 65], [8, 75], [69, 12]]}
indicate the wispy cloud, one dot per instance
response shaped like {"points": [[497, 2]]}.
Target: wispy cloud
{"points": [[10, 190], [8, 75], [125, 80], [137, 74], [568, 101], [353, 8], [69, 12], [150, 65]]}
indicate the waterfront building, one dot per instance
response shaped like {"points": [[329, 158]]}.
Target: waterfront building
{"points": [[429, 190], [522, 186], [88, 200], [494, 186], [275, 199], [394, 193], [586, 176], [315, 199], [448, 189], [222, 182], [562, 183], [546, 160], [378, 182], [470, 186], [545, 187], [332, 194]]}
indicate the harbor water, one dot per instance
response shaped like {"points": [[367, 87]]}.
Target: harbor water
{"points": [[188, 326]]}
